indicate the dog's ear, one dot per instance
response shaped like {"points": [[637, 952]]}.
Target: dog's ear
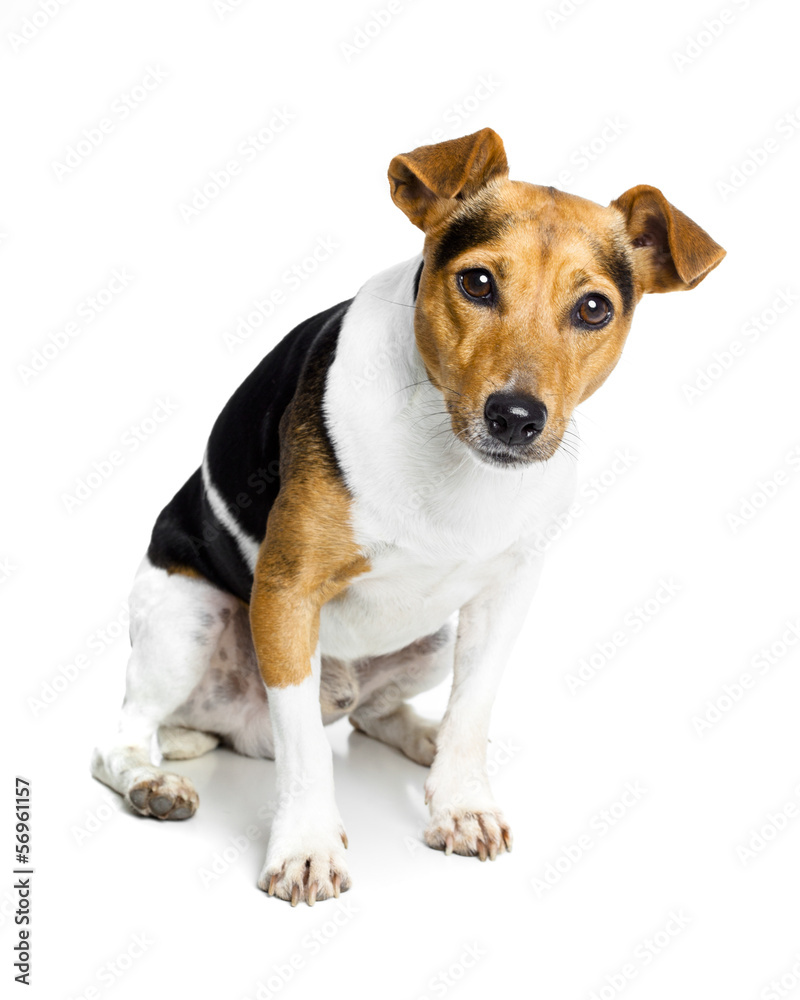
{"points": [[670, 251], [426, 179]]}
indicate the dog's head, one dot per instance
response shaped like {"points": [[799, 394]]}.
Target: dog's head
{"points": [[527, 293]]}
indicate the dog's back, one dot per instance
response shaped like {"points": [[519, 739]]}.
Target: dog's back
{"points": [[387, 471]]}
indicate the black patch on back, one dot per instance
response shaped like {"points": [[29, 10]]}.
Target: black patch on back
{"points": [[244, 457], [471, 228]]}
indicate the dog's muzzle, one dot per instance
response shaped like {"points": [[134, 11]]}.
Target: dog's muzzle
{"points": [[514, 419]]}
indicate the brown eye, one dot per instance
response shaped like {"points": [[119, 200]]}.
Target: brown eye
{"points": [[477, 284], [593, 310]]}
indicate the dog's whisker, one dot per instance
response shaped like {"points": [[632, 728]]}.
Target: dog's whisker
{"points": [[428, 416], [391, 302], [318, 593]]}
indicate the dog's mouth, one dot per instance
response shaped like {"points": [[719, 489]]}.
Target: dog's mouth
{"points": [[488, 451], [491, 440]]}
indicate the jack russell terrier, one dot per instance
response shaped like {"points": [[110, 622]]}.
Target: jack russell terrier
{"points": [[366, 516]]}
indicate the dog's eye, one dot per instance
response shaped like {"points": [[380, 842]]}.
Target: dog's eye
{"points": [[593, 310], [477, 284]]}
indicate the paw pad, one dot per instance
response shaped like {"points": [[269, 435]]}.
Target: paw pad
{"points": [[168, 796]]}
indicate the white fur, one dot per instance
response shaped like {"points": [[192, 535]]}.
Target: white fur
{"points": [[248, 546], [446, 536], [175, 621], [307, 825], [436, 524], [443, 532]]}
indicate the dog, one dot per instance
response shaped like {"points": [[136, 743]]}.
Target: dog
{"points": [[366, 515]]}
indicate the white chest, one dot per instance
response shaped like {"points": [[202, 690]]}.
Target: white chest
{"points": [[436, 525], [403, 598]]}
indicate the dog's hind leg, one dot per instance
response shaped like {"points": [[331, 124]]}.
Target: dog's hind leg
{"points": [[176, 621], [180, 743], [387, 681]]}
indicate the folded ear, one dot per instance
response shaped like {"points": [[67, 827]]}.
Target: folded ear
{"points": [[425, 180], [670, 251]]}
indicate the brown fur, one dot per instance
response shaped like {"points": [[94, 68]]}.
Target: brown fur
{"points": [[672, 252], [309, 554], [545, 249], [430, 175], [189, 571]]}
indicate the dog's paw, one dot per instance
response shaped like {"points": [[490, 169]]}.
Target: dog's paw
{"points": [[164, 796], [422, 745], [403, 729], [308, 870], [481, 833]]}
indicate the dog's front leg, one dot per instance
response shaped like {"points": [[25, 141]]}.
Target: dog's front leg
{"points": [[464, 815], [305, 855]]}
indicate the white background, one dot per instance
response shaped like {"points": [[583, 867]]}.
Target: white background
{"points": [[685, 123]]}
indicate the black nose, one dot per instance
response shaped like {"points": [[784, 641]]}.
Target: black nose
{"points": [[514, 419]]}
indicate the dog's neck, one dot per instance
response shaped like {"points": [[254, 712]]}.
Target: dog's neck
{"points": [[393, 435]]}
